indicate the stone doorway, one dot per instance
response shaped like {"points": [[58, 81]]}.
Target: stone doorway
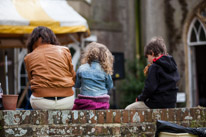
{"points": [[196, 62], [201, 74]]}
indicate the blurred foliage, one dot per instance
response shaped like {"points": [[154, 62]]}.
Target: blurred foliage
{"points": [[133, 83]]}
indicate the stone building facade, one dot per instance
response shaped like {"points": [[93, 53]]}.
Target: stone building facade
{"points": [[112, 21], [182, 24], [115, 23]]}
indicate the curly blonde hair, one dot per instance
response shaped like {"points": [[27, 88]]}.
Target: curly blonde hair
{"points": [[98, 52]]}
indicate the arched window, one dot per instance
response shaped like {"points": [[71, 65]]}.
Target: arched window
{"points": [[196, 41], [197, 33]]}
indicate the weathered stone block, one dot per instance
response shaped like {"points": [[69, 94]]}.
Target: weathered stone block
{"points": [[179, 114], [197, 113], [130, 130], [156, 115], [39, 117], [17, 117], [101, 130], [19, 131], [172, 116], [137, 116], [117, 116], [75, 116], [125, 116], [59, 117], [91, 116], [100, 116], [134, 116], [148, 115], [89, 130], [95, 122], [109, 116], [59, 130], [83, 117], [40, 130], [164, 114]]}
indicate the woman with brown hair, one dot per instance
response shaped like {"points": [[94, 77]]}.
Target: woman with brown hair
{"points": [[50, 71]]}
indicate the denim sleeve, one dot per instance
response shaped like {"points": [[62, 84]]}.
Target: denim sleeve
{"points": [[78, 80], [109, 82]]}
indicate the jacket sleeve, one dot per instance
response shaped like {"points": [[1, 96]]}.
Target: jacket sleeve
{"points": [[151, 84], [109, 82]]}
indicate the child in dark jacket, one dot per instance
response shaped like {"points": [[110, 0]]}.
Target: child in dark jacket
{"points": [[160, 88]]}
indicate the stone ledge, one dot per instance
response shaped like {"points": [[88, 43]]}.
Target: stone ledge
{"points": [[95, 122]]}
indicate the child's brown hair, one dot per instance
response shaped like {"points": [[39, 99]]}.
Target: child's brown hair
{"points": [[155, 47]]}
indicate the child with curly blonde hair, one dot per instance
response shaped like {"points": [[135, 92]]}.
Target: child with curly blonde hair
{"points": [[94, 77]]}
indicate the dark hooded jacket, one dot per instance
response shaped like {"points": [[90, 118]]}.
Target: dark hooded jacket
{"points": [[160, 90]]}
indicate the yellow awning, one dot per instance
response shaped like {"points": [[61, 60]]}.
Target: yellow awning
{"points": [[22, 16]]}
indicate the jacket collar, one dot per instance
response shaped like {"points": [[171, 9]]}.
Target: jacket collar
{"points": [[43, 46], [155, 59]]}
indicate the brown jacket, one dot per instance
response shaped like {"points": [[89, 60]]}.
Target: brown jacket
{"points": [[50, 71]]}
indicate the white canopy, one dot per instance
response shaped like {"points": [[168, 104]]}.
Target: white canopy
{"points": [[22, 16]]}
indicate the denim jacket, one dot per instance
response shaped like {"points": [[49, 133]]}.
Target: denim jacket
{"points": [[92, 80]]}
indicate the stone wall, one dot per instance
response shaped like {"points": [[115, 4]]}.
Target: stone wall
{"points": [[113, 22], [58, 123]]}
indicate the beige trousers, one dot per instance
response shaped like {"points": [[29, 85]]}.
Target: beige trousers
{"points": [[137, 105], [42, 103]]}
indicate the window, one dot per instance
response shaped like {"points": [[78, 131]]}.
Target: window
{"points": [[197, 33]]}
